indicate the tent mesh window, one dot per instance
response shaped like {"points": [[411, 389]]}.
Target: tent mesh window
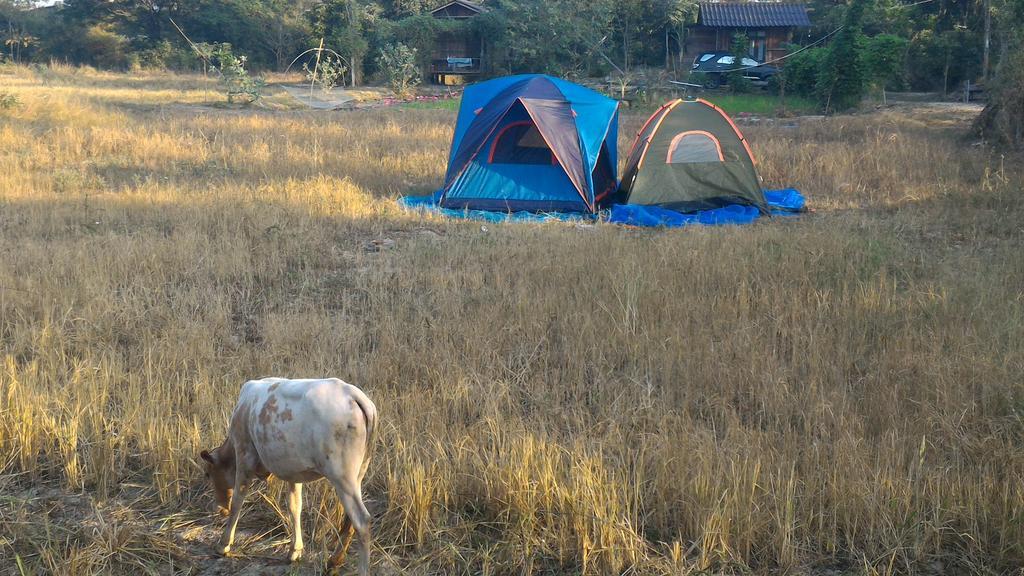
{"points": [[694, 146], [520, 143]]}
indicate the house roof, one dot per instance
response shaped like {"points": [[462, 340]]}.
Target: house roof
{"points": [[472, 6], [752, 14]]}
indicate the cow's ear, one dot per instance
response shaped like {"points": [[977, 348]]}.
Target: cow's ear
{"points": [[207, 456]]}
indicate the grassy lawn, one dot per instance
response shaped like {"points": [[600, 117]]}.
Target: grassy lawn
{"points": [[761, 104], [756, 103], [451, 104], [837, 393]]}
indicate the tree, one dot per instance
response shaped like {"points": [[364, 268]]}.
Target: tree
{"points": [[398, 63], [19, 30], [841, 77], [574, 33], [884, 60], [340, 23], [1002, 120], [681, 13]]}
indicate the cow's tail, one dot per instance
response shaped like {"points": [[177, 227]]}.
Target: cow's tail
{"points": [[370, 415]]}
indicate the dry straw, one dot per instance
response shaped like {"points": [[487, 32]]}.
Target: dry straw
{"points": [[842, 391]]}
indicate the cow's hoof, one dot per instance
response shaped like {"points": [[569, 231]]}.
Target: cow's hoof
{"points": [[295, 555]]}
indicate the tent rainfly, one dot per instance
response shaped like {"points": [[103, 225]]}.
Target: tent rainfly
{"points": [[690, 156], [532, 142]]}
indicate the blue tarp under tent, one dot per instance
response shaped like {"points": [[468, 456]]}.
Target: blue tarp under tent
{"points": [[537, 148], [780, 203]]}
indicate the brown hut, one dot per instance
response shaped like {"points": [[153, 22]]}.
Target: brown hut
{"points": [[768, 25]]}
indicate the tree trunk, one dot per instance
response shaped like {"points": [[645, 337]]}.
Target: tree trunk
{"points": [[988, 40]]}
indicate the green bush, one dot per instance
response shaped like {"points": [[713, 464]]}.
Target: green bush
{"points": [[1002, 121], [740, 50], [883, 58], [397, 62], [801, 72], [9, 101], [164, 56], [327, 74], [841, 77], [103, 48], [235, 79], [701, 78]]}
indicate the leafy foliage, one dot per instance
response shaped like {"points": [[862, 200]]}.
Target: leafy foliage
{"points": [[398, 64], [883, 58], [235, 79], [841, 77], [896, 44], [341, 24], [1002, 120], [740, 50], [801, 72], [9, 101], [327, 73]]}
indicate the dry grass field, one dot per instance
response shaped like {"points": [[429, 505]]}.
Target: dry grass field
{"points": [[839, 393]]}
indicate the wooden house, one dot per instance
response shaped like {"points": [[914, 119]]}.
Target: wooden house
{"points": [[768, 25], [458, 55]]}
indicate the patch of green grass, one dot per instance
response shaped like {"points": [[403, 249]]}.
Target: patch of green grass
{"points": [[440, 104], [760, 104]]}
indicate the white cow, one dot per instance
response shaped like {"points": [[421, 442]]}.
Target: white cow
{"points": [[299, 431]]}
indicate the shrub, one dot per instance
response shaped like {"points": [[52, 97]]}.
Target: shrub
{"points": [[9, 101], [234, 77], [841, 77], [801, 72], [104, 48], [740, 50], [1002, 120], [327, 73], [699, 77], [163, 56], [883, 58], [397, 63]]}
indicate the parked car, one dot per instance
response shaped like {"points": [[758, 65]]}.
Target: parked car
{"points": [[716, 65]]}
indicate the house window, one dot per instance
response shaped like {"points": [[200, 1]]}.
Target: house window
{"points": [[520, 143], [758, 45], [694, 146]]}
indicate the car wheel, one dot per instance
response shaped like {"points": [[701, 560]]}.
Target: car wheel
{"points": [[713, 81]]}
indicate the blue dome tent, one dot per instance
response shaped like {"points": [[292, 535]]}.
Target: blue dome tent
{"points": [[532, 142]]}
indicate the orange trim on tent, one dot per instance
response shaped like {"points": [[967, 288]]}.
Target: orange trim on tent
{"points": [[643, 155], [497, 138], [477, 151], [636, 138], [734, 128], [679, 138]]}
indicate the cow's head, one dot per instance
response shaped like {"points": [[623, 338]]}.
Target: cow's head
{"points": [[220, 471]]}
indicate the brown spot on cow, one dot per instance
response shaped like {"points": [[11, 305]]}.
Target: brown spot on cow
{"points": [[286, 415], [273, 387], [268, 411]]}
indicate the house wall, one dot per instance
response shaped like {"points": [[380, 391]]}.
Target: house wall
{"points": [[456, 46], [701, 39]]}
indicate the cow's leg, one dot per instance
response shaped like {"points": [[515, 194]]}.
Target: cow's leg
{"points": [[235, 509], [295, 507], [346, 538], [356, 512]]}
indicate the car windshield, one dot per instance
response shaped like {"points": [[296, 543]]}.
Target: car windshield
{"points": [[726, 60], [749, 62], [706, 57]]}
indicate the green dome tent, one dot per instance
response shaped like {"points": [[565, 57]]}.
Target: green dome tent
{"points": [[690, 156]]}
